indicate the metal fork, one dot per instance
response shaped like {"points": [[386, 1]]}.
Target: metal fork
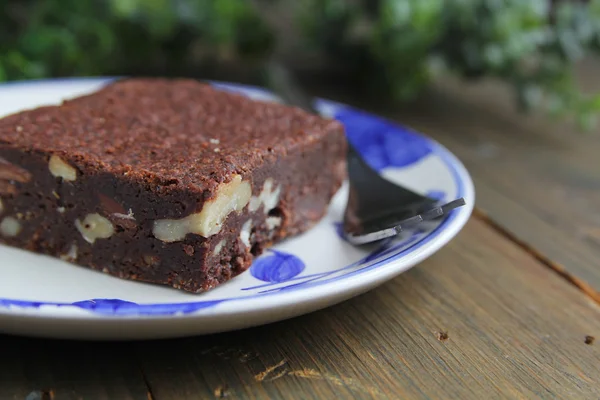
{"points": [[376, 208]]}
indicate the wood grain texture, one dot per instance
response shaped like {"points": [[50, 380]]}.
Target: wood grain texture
{"points": [[515, 330], [35, 369], [538, 180]]}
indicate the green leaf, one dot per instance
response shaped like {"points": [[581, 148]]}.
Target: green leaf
{"points": [[594, 103], [511, 40], [125, 8]]}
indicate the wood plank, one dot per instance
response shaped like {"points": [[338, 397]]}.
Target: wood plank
{"points": [[37, 369], [535, 178], [515, 329]]}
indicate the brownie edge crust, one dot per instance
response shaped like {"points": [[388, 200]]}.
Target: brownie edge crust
{"points": [[170, 182]]}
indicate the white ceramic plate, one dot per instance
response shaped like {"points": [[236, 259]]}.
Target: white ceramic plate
{"points": [[41, 296]]}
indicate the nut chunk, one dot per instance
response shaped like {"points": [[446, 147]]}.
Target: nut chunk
{"points": [[178, 183], [229, 197]]}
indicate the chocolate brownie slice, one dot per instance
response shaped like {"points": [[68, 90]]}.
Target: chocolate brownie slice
{"points": [[172, 182]]}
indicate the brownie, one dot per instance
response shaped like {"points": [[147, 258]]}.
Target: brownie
{"points": [[167, 181]]}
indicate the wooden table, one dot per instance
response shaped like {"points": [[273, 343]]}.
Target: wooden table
{"points": [[509, 309]]}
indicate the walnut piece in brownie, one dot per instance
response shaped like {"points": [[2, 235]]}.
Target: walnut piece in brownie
{"points": [[171, 182]]}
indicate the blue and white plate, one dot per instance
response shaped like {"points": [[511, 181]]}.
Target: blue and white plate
{"points": [[42, 296]]}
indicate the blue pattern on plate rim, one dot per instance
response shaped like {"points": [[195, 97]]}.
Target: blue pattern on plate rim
{"points": [[118, 307], [277, 267], [388, 246], [383, 143], [438, 195]]}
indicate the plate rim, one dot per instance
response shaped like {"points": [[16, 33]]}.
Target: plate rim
{"points": [[372, 275]]}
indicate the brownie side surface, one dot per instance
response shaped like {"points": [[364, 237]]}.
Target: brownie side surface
{"points": [[76, 187]]}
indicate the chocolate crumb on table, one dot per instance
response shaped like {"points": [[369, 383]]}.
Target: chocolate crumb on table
{"points": [[221, 392], [171, 182], [442, 336], [589, 339]]}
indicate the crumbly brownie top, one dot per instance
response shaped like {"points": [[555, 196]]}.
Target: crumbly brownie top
{"points": [[181, 131]]}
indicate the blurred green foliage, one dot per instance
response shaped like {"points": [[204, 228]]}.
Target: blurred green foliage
{"points": [[393, 47]]}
